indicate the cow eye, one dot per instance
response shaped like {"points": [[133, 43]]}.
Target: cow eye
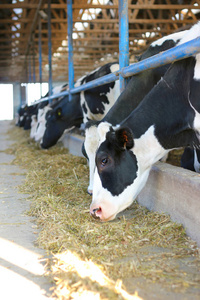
{"points": [[104, 161]]}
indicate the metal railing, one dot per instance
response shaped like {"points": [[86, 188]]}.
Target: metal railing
{"points": [[177, 53]]}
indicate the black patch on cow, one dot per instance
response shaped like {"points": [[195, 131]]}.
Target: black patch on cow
{"points": [[153, 50], [187, 159], [117, 167]]}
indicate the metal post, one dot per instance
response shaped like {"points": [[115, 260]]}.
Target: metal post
{"points": [[49, 48], [70, 46], [40, 55], [123, 40]]}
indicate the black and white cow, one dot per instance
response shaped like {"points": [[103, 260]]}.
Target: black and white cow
{"points": [[91, 104], [190, 159], [21, 118], [137, 88], [42, 108], [167, 118]]}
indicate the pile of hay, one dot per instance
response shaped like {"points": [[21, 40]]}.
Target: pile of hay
{"points": [[99, 260]]}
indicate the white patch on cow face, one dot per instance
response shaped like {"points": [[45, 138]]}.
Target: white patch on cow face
{"points": [[41, 127], [174, 36], [93, 137], [147, 151], [33, 126], [91, 144]]}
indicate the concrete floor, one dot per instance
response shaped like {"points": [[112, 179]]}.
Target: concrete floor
{"points": [[21, 262], [21, 268]]}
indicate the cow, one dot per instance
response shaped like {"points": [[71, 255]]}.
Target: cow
{"points": [[42, 109], [190, 159], [87, 105], [138, 86], [167, 118], [21, 115]]}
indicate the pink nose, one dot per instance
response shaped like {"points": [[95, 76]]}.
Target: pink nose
{"points": [[96, 212]]}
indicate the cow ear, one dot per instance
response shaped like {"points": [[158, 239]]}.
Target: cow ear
{"points": [[124, 137], [59, 113], [102, 129]]}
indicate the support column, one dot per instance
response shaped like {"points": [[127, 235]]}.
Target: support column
{"points": [[123, 40], [16, 98], [40, 55], [70, 46], [49, 48]]}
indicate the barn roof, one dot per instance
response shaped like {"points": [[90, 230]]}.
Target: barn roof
{"points": [[95, 33]]}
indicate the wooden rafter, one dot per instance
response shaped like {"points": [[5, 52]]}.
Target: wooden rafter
{"points": [[95, 39]]}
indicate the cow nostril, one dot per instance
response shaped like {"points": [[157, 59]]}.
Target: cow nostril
{"points": [[98, 210], [95, 213], [89, 192]]}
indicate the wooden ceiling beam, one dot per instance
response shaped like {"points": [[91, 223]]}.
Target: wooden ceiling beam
{"points": [[87, 6]]}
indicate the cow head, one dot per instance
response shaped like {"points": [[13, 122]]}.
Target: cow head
{"points": [[64, 116], [118, 176], [54, 128], [41, 125]]}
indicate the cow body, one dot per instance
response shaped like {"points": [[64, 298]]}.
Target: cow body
{"points": [[138, 86], [86, 105], [167, 118]]}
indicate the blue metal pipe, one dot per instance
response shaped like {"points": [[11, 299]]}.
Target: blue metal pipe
{"points": [[177, 53], [49, 48], [94, 83], [70, 46], [40, 55], [123, 40]]}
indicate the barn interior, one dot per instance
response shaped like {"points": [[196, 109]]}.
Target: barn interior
{"points": [[34, 48], [95, 34]]}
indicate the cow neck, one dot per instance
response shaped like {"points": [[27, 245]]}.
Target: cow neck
{"points": [[164, 119], [72, 111]]}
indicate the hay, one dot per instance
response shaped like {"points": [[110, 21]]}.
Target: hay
{"points": [[140, 244]]}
